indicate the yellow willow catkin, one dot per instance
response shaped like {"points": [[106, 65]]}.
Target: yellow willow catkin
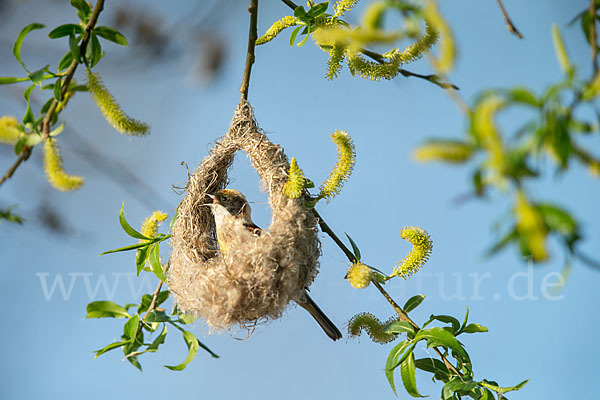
{"points": [[296, 181], [560, 49], [445, 61], [372, 70], [9, 133], [277, 28], [53, 166], [530, 226], [112, 110], [150, 225], [415, 51], [328, 36], [419, 254], [334, 63], [485, 129], [372, 325], [373, 15], [346, 156], [341, 7], [359, 275], [450, 151]]}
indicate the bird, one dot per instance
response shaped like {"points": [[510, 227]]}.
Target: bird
{"points": [[232, 215]]}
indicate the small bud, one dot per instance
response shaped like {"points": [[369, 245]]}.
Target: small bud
{"points": [[359, 275]]}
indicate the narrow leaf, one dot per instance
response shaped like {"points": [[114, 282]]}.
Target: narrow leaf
{"points": [[6, 80], [192, 344], [104, 309], [413, 303], [19, 41], [499, 389], [355, 249], [407, 373], [155, 263], [110, 347], [474, 328], [65, 30], [131, 327], [111, 34], [127, 228]]}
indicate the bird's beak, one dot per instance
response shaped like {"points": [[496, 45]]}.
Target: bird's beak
{"points": [[214, 198]]}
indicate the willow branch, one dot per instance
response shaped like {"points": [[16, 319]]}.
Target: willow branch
{"points": [[252, 36], [593, 36], [69, 73], [325, 228], [509, 24], [401, 314], [22, 157]]}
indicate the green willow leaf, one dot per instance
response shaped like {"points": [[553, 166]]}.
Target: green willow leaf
{"points": [[407, 373], [394, 359], [131, 327], [106, 309], [83, 9], [19, 42], [28, 118], [6, 80], [193, 345], [160, 339], [127, 248], [294, 34], [65, 61], [141, 255], [111, 34], [127, 228], [499, 389], [474, 328], [413, 303], [399, 327], [440, 337], [65, 30], [155, 263], [74, 46], [108, 348], [355, 249], [435, 367], [157, 316], [448, 320], [462, 386]]}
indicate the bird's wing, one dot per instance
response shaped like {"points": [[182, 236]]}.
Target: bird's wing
{"points": [[253, 228]]}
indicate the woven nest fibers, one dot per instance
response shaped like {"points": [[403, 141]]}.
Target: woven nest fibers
{"points": [[256, 280]]}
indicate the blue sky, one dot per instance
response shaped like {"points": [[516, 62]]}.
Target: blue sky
{"points": [[535, 332]]}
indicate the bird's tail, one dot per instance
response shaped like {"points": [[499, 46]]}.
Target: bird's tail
{"points": [[313, 309]]}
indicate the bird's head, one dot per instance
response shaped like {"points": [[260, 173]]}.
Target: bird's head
{"points": [[233, 201]]}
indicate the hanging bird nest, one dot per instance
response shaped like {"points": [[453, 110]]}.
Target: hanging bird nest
{"points": [[256, 280]]}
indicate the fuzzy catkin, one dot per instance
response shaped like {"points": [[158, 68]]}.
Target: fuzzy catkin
{"points": [[255, 282]]}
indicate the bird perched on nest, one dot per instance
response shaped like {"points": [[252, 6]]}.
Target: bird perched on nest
{"points": [[233, 220]]}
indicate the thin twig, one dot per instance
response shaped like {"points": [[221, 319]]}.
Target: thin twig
{"points": [[593, 36], [152, 305], [290, 4], [252, 36], [22, 157], [509, 24], [377, 57], [325, 228], [69, 73]]}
